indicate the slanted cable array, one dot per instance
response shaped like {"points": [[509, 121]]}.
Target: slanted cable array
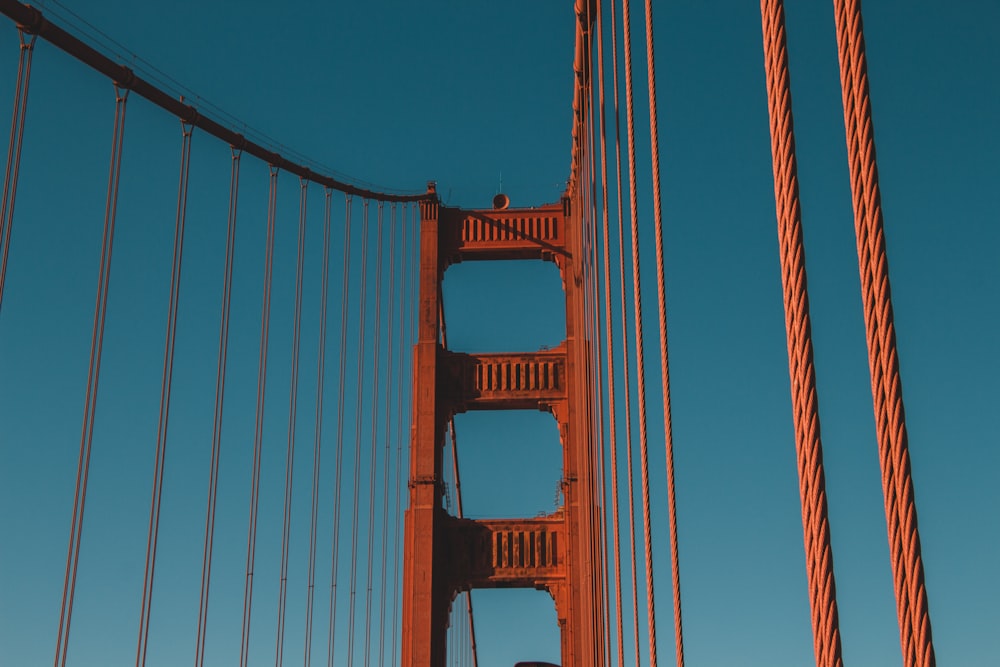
{"points": [[915, 633], [161, 490]]}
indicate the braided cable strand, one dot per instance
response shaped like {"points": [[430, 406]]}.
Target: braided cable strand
{"points": [[808, 445], [608, 335], [639, 351], [664, 358], [897, 484]]}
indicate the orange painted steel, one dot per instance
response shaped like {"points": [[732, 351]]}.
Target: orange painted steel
{"points": [[664, 357], [887, 394], [609, 337], [647, 530], [446, 555], [805, 404]]}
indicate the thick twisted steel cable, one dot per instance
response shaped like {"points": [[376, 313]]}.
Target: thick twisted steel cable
{"points": [[318, 430], [166, 383], [341, 379], [14, 151], [93, 376], [640, 361], [808, 444], [623, 309], [389, 368], [661, 307], [220, 385], [359, 404], [897, 484], [609, 337], [376, 396], [265, 321], [293, 405]]}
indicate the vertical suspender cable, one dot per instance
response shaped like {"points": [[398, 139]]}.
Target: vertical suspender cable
{"points": [[165, 392], [612, 426], [14, 151], [93, 375], [293, 402], [369, 560], [318, 433], [265, 319], [459, 511], [220, 385], [808, 445], [391, 341], [640, 361], [661, 302], [357, 434], [626, 380], [407, 328], [341, 379], [887, 393], [400, 408]]}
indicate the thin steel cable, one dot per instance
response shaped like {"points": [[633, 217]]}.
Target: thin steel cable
{"points": [[400, 382], [293, 404], [318, 431], [220, 385], [897, 484], [265, 319], [363, 295], [410, 321], [166, 384], [640, 361], [626, 380], [93, 376], [609, 337], [376, 396], [390, 343], [14, 151], [808, 444], [341, 375], [661, 306]]}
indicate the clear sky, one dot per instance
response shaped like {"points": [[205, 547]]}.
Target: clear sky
{"points": [[466, 93]]}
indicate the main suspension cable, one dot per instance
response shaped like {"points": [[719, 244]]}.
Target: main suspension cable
{"points": [[93, 375], [220, 384], [165, 393], [265, 319]]}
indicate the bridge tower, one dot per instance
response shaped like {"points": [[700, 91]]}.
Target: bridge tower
{"points": [[559, 553]]}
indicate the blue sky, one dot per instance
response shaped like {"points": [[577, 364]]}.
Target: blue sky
{"points": [[395, 94]]}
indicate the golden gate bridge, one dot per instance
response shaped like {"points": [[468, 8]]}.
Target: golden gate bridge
{"points": [[395, 581]]}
